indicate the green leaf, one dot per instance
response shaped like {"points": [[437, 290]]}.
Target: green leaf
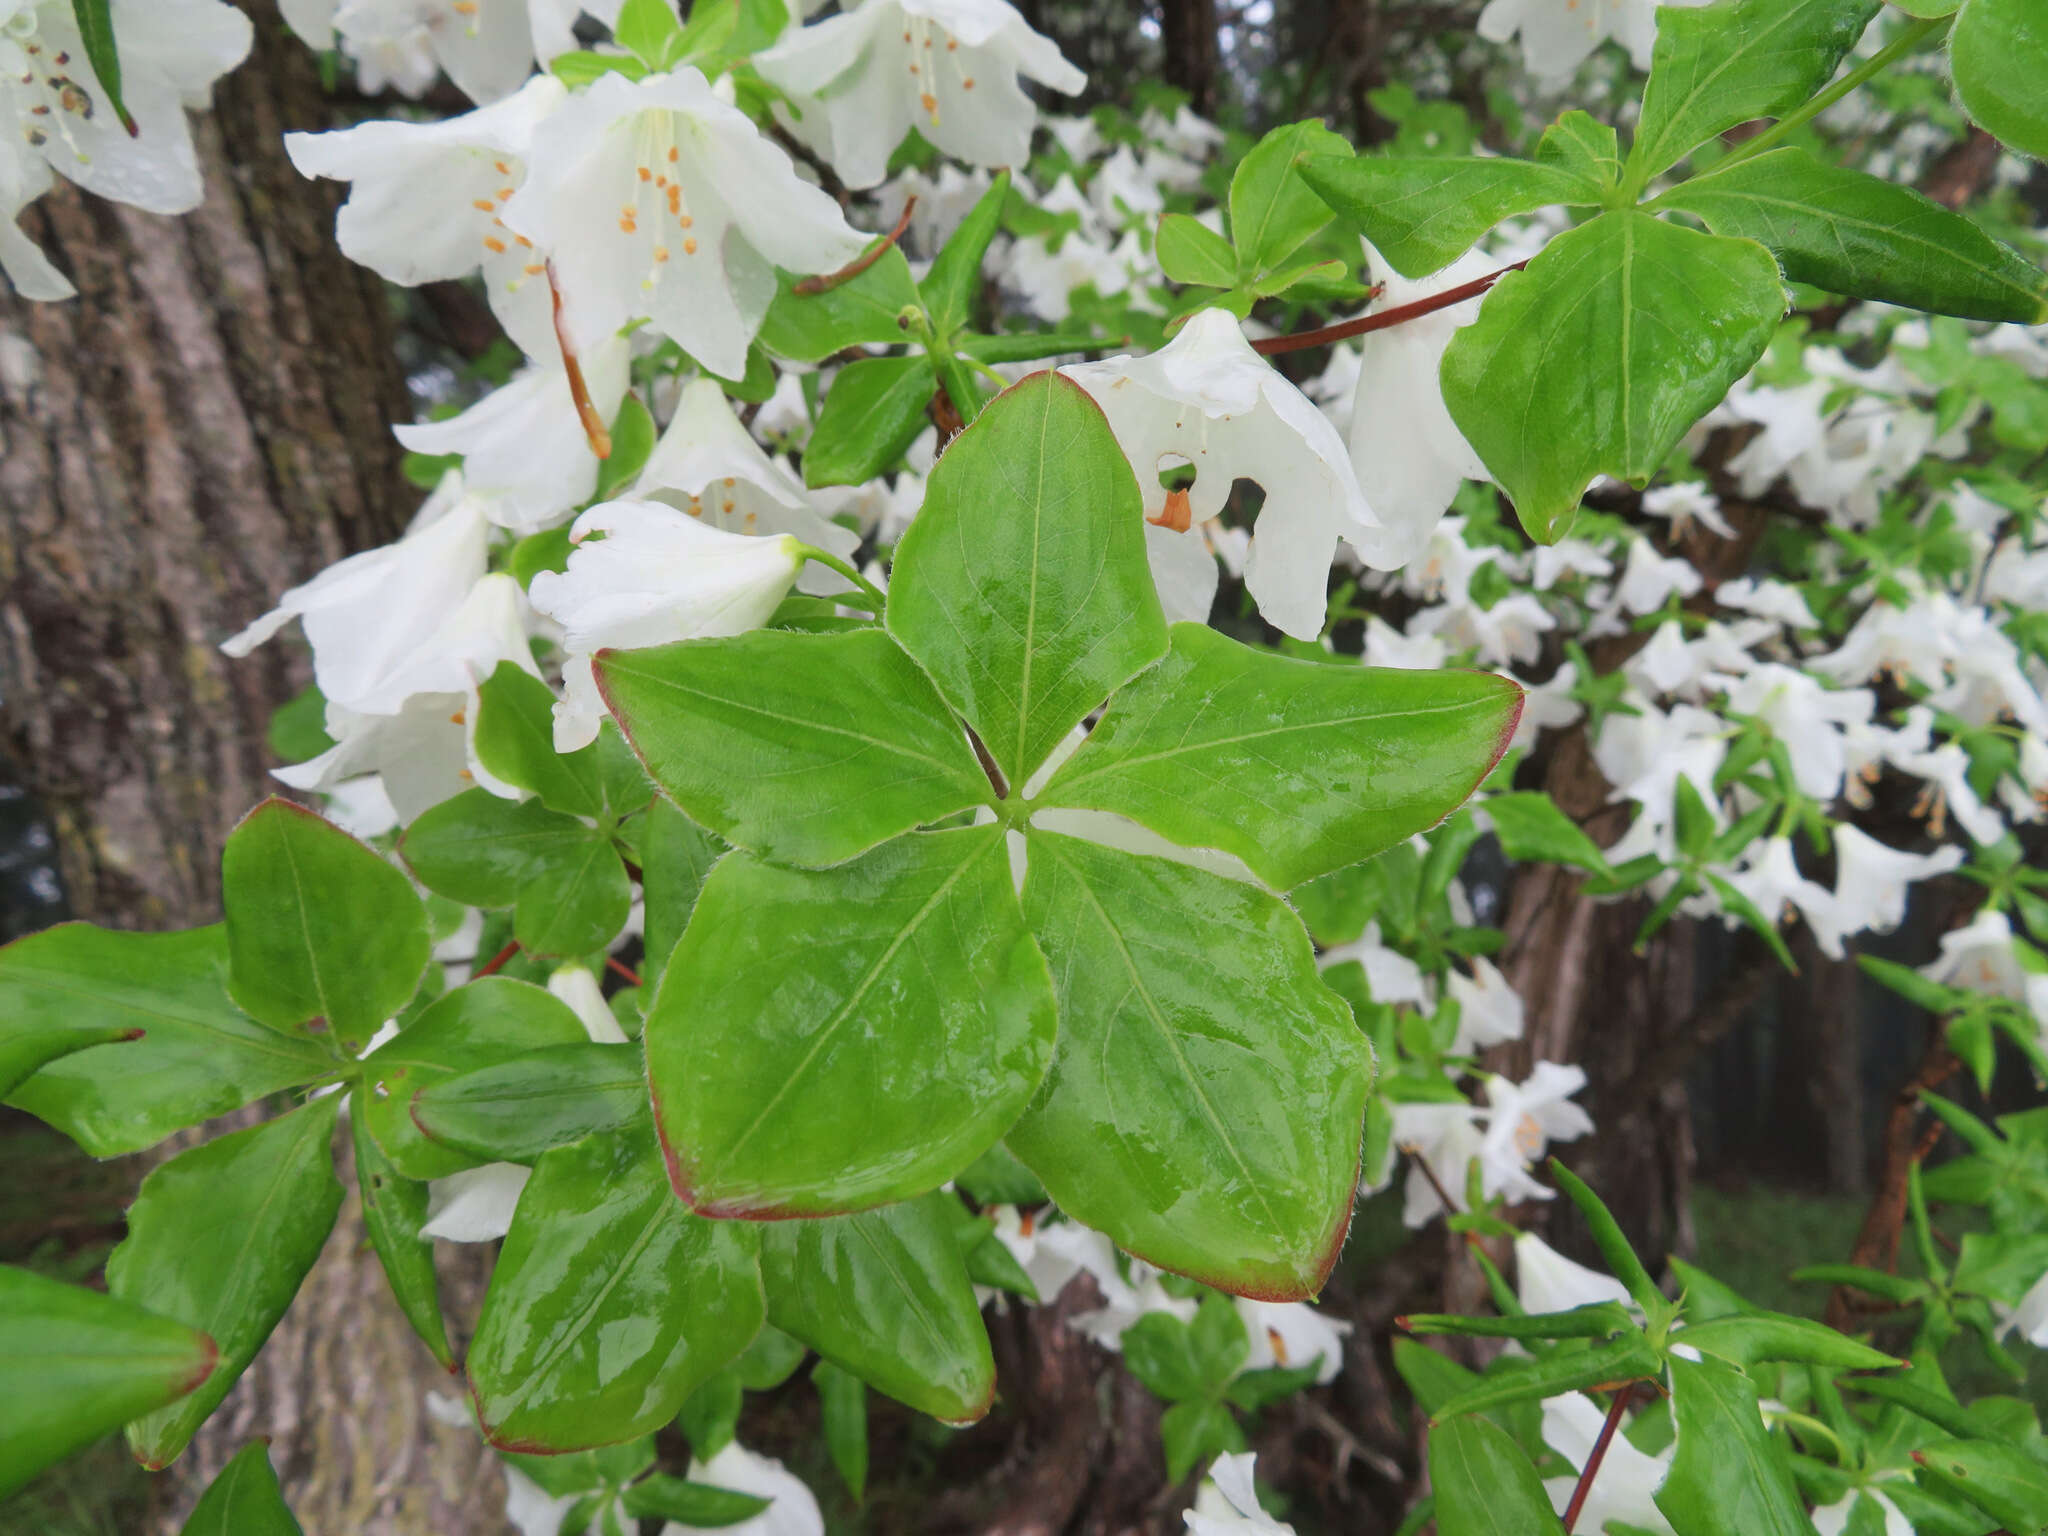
{"points": [[651, 30], [862, 311], [633, 437], [1630, 1359], [1297, 767], [844, 1404], [394, 1210], [1898, 1289], [479, 1024], [711, 1414], [322, 932], [515, 740], [1191, 252], [479, 847], [997, 1178], [1532, 830], [1998, 51], [25, 1050], [954, 281], [872, 411], [1599, 356], [1718, 66], [194, 1054], [1190, 1008], [1422, 215], [1195, 1432], [610, 1304], [1728, 1477], [1273, 211], [2005, 1482], [885, 1295], [518, 1109], [1922, 1402], [96, 31], [1594, 1320], [804, 749], [1177, 1360], [75, 1365], [298, 727], [1484, 1484], [699, 1506], [573, 903], [1579, 144], [1865, 238], [244, 1500], [675, 856], [1023, 587], [1608, 1237], [1758, 1336], [823, 1042], [220, 1237], [1027, 346]]}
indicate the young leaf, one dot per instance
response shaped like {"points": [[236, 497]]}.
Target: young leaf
{"points": [[695, 1506], [322, 932], [1998, 51], [1599, 356], [1273, 211], [1865, 238], [610, 1304], [885, 1295], [220, 1237], [1532, 830], [478, 848], [1297, 767], [950, 287], [1422, 215], [1614, 1247], [1632, 1358], [96, 31], [804, 749], [1729, 1477], [1191, 252], [874, 408], [1485, 1485], [394, 1210], [518, 1109], [1721, 65], [1197, 1431], [1190, 1006], [651, 30], [1179, 1361], [1023, 588], [844, 1402], [824, 1042], [862, 311], [1581, 145], [574, 902], [244, 1500], [75, 1364], [515, 740]]}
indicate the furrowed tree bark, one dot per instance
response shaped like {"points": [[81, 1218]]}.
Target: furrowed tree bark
{"points": [[207, 424]]}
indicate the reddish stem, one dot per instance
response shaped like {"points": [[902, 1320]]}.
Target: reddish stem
{"points": [[1443, 1195], [498, 961], [618, 967], [1599, 1454], [1400, 314], [594, 426], [826, 282]]}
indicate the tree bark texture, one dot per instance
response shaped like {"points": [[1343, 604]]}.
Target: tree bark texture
{"points": [[207, 424]]}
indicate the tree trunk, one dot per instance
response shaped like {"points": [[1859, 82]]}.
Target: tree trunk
{"points": [[1188, 33], [207, 424]]}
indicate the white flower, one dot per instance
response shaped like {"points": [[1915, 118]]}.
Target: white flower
{"points": [[861, 80], [1567, 557], [1560, 35], [1391, 975], [1386, 646], [1547, 1281], [1692, 502], [60, 119], [2030, 1317], [425, 199], [1511, 630], [1290, 1334], [1650, 578], [1871, 882], [487, 47], [525, 451], [1522, 1120], [793, 1510], [1189, 135], [1130, 1287], [1410, 456], [368, 616], [1979, 957], [530, 1508], [1207, 399], [1625, 1487], [1489, 1008], [1807, 718], [1227, 1504], [1770, 878], [1446, 1137], [1767, 599], [475, 1205], [657, 575], [659, 199], [1947, 772], [1833, 1519], [1447, 564]]}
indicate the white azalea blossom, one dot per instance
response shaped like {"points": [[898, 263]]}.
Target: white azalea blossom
{"points": [[475, 1205], [792, 1508], [1489, 1008], [1227, 1503], [1559, 35], [1290, 1334], [487, 47], [1547, 1281], [1626, 1485]]}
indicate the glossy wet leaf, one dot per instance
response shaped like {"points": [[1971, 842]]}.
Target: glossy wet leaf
{"points": [[843, 1409], [862, 311], [1023, 588], [244, 1500], [1865, 238], [675, 857], [804, 749], [885, 1295], [394, 1210], [479, 1024], [76, 1364], [875, 406], [478, 847], [1728, 1477], [518, 1109], [1721, 65], [1424, 214], [825, 1041], [1485, 1484], [699, 1506], [1599, 356], [219, 1238], [1297, 767], [323, 933], [515, 740], [610, 1304], [1205, 1102], [574, 902]]}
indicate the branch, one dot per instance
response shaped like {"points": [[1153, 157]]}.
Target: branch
{"points": [[1400, 314], [594, 426], [1596, 1456], [826, 282]]}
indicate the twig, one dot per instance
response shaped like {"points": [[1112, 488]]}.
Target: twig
{"points": [[988, 766], [1598, 1454], [1400, 314], [497, 961], [827, 281], [1408, 1151], [619, 967], [594, 426]]}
